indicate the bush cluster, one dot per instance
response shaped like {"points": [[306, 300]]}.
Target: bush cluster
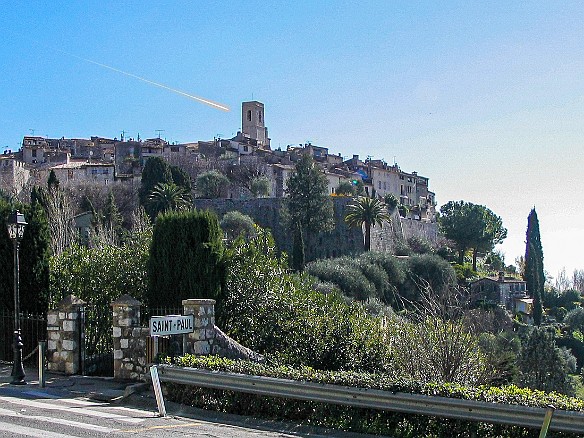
{"points": [[277, 313], [383, 276], [359, 419]]}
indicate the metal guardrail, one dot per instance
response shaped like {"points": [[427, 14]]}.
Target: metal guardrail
{"points": [[471, 410]]}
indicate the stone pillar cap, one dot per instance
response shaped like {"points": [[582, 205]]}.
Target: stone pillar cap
{"points": [[198, 302], [70, 301], [126, 300]]}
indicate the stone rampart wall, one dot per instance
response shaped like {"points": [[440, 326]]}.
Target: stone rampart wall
{"points": [[267, 212]]}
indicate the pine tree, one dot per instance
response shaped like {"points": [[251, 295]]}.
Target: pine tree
{"points": [[534, 274]]}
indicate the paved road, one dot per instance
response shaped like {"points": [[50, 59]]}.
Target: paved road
{"points": [[37, 412], [86, 406]]}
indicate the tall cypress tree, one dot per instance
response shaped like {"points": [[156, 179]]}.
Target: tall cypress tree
{"points": [[534, 275], [155, 171], [186, 258]]}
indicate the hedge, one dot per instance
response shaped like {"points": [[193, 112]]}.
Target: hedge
{"points": [[361, 420]]}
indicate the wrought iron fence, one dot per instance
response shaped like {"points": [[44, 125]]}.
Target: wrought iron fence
{"points": [[147, 312], [161, 345], [33, 328], [96, 340]]}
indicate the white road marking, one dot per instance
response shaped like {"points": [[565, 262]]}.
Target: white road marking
{"points": [[60, 421], [70, 409], [29, 431], [146, 414]]}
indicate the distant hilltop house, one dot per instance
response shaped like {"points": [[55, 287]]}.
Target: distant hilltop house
{"points": [[103, 161], [508, 292]]}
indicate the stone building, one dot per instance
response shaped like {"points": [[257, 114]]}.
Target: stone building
{"points": [[14, 175]]}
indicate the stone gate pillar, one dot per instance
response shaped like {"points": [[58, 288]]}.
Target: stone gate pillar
{"points": [[64, 324], [202, 339], [129, 339]]}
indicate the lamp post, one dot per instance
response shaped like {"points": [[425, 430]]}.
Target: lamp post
{"points": [[16, 224]]}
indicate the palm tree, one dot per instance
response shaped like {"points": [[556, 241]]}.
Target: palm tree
{"points": [[167, 196], [366, 211]]}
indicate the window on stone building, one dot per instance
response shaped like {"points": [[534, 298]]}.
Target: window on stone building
{"points": [[249, 115], [34, 153]]}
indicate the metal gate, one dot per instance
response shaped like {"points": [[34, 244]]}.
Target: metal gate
{"points": [[33, 328], [161, 346], [96, 341]]}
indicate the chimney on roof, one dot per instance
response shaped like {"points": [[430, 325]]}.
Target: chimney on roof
{"points": [[355, 157]]}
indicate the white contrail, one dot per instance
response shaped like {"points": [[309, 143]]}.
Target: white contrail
{"points": [[174, 90]]}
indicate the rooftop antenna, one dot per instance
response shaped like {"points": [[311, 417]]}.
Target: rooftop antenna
{"points": [[122, 134], [394, 162], [159, 131]]}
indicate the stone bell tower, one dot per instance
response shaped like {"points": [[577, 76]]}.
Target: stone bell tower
{"points": [[252, 122]]}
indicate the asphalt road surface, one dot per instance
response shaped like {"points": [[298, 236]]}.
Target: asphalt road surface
{"points": [[33, 412]]}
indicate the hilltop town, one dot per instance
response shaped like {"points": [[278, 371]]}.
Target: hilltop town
{"points": [[103, 161]]}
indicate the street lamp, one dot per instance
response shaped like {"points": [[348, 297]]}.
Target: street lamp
{"points": [[16, 225]]}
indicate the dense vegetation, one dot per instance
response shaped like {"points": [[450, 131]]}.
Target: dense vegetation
{"points": [[34, 260], [396, 282], [375, 318], [358, 419], [185, 258]]}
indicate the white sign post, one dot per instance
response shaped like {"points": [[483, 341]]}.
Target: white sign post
{"points": [[172, 325], [158, 391]]}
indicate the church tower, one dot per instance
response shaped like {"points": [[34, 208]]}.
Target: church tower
{"points": [[252, 122]]}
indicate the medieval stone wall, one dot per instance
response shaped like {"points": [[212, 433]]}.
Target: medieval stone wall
{"points": [[268, 213]]}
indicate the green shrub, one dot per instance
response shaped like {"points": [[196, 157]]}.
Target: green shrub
{"points": [[392, 267], [464, 272], [420, 245], [234, 224], [425, 272], [574, 319], [100, 275], [346, 274], [361, 420], [279, 314]]}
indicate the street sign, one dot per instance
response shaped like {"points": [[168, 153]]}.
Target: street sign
{"points": [[172, 325]]}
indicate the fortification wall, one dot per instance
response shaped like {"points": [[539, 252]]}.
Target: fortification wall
{"points": [[268, 213]]}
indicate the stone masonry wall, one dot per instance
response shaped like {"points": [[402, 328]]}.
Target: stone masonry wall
{"points": [[64, 334], [130, 338], [341, 241]]}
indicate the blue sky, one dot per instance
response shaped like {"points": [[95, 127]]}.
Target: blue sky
{"points": [[484, 98]]}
